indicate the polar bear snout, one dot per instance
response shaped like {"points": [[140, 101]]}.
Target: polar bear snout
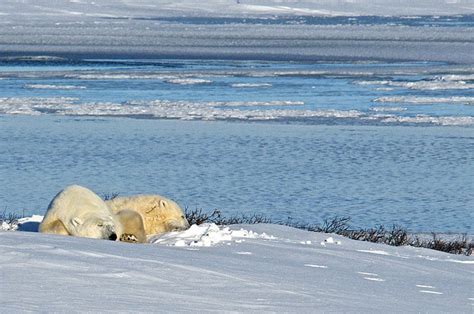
{"points": [[176, 225], [109, 232]]}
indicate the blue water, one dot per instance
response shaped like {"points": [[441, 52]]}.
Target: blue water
{"points": [[411, 165], [314, 86]]}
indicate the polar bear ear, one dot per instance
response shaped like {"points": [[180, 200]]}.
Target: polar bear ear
{"points": [[163, 204], [76, 222]]}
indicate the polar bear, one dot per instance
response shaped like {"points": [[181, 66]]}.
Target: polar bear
{"points": [[129, 226], [159, 213], [78, 211]]}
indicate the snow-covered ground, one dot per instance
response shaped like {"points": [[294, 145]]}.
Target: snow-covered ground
{"points": [[238, 29], [140, 8], [249, 268]]}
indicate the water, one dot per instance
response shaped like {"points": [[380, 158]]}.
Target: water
{"points": [[383, 142], [350, 93], [420, 177]]}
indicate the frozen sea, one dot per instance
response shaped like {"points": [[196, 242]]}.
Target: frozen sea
{"points": [[296, 117]]}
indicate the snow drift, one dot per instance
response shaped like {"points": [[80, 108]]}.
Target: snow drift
{"points": [[246, 268]]}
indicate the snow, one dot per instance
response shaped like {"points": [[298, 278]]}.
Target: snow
{"points": [[244, 268], [164, 29], [139, 8]]}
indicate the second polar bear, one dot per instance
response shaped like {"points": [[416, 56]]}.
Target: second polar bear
{"points": [[159, 213], [78, 211]]}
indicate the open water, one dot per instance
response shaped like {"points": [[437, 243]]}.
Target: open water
{"points": [[383, 143]]}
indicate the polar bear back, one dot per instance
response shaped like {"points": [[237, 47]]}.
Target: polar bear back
{"points": [[76, 199], [78, 211]]}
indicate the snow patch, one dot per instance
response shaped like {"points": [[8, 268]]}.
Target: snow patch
{"points": [[376, 252], [330, 240], [430, 292], [205, 235], [315, 266]]}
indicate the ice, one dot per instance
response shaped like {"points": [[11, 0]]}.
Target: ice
{"points": [[250, 85], [423, 85], [189, 81], [427, 100], [256, 275], [185, 110], [423, 119], [388, 109], [50, 86]]}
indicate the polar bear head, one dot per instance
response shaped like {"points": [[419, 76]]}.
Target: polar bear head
{"points": [[172, 216], [94, 227]]}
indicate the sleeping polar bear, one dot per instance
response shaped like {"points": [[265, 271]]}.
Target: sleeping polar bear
{"points": [[78, 211], [159, 213]]}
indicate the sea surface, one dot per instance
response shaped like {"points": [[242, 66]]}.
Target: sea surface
{"points": [[382, 143]]}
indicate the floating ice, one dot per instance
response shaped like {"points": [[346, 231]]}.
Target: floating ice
{"points": [[437, 84], [251, 85], [388, 109], [188, 81], [45, 86], [187, 110], [427, 100], [423, 119]]}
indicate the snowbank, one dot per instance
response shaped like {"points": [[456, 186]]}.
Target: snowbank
{"points": [[246, 268]]}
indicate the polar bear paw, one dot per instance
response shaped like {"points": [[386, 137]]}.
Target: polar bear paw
{"points": [[127, 237]]}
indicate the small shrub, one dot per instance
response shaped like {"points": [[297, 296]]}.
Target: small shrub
{"points": [[109, 196], [395, 236], [336, 224], [198, 217], [9, 217]]}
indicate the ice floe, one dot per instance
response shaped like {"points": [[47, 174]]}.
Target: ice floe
{"points": [[51, 86], [240, 110], [427, 100], [187, 81], [437, 84]]}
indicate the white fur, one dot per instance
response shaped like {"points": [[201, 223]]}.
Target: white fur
{"points": [[160, 214], [78, 211]]}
